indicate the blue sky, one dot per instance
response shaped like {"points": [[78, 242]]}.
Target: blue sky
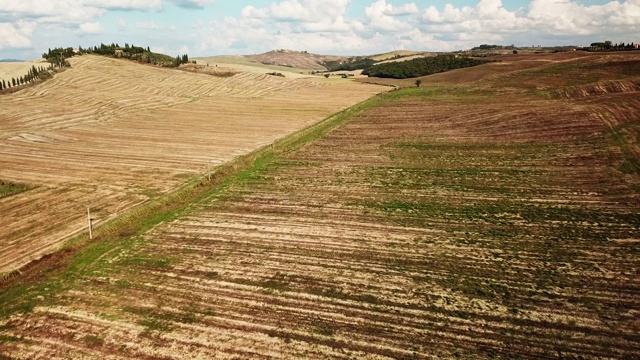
{"points": [[345, 27]]}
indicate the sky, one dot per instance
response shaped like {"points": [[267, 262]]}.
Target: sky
{"points": [[339, 27]]}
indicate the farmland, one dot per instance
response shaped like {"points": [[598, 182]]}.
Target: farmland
{"points": [[111, 134], [9, 70], [491, 215]]}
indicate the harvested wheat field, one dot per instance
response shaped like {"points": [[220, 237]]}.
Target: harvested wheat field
{"points": [[14, 70], [111, 134], [492, 220]]}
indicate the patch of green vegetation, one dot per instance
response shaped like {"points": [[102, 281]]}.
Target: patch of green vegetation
{"points": [[504, 211], [146, 261], [94, 340], [152, 318], [421, 66], [154, 324], [626, 137], [4, 338], [8, 188], [324, 330]]}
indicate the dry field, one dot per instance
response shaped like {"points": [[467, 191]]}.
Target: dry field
{"points": [[111, 134], [9, 70], [498, 219]]}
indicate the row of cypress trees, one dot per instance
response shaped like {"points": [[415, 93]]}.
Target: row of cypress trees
{"points": [[33, 74]]}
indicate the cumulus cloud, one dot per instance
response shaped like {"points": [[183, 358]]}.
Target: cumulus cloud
{"points": [[565, 16], [93, 27], [16, 35], [490, 20], [337, 26], [382, 16], [298, 10], [383, 25], [64, 11], [487, 19], [406, 9], [124, 4]]}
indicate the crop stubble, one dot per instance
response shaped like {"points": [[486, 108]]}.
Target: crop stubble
{"points": [[435, 224], [111, 134]]}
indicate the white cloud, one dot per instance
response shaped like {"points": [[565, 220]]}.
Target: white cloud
{"points": [[91, 28], [299, 10], [565, 16], [64, 11], [330, 26], [125, 4], [16, 36], [382, 16], [406, 9]]}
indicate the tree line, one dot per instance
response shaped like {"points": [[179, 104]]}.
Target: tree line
{"points": [[128, 51], [34, 74], [135, 53], [57, 58], [350, 65], [608, 45], [421, 66]]}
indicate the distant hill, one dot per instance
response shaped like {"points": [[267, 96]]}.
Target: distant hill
{"points": [[296, 59], [396, 54], [11, 60]]}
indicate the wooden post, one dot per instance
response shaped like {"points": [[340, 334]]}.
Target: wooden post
{"points": [[90, 224]]}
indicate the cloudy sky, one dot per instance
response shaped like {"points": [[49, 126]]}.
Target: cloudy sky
{"points": [[345, 27]]}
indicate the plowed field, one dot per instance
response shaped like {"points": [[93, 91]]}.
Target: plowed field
{"points": [[494, 220], [111, 134]]}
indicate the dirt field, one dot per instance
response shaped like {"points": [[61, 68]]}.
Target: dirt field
{"points": [[497, 219], [110, 134]]}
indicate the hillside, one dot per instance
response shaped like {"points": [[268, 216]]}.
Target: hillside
{"points": [[490, 214], [296, 59], [9, 70], [111, 134]]}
